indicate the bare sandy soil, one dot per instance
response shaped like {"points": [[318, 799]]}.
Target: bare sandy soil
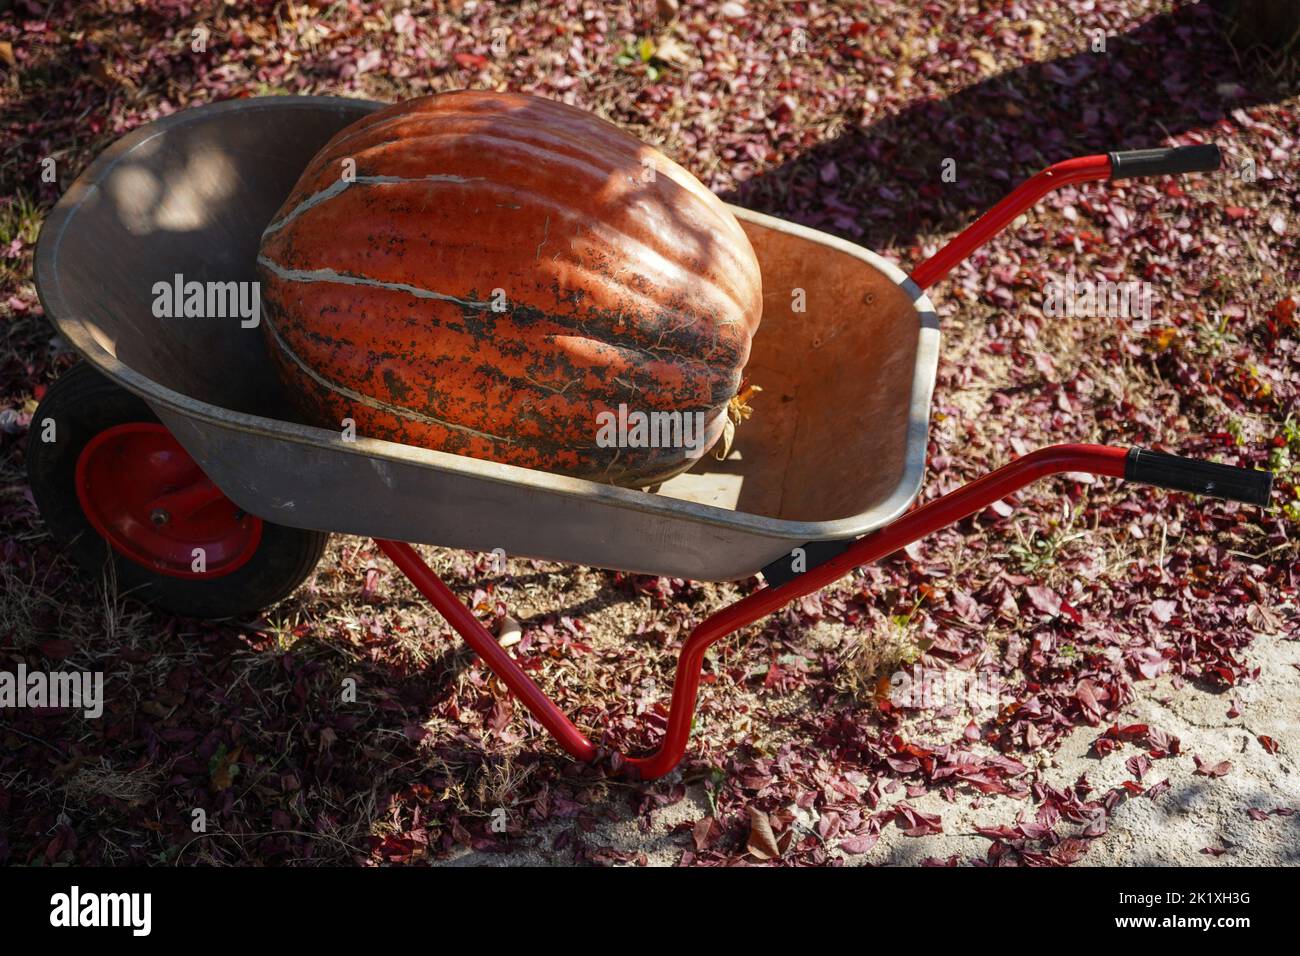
{"points": [[1199, 820]]}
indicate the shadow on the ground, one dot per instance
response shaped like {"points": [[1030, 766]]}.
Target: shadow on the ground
{"points": [[881, 185]]}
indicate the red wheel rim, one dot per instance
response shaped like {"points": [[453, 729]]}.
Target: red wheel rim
{"points": [[149, 499]]}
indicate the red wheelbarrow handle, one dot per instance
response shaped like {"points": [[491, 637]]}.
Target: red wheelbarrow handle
{"points": [[1134, 464], [1114, 165]]}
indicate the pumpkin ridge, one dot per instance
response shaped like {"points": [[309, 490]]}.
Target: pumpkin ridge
{"points": [[497, 130], [565, 332], [332, 275], [412, 111], [403, 412], [517, 123], [583, 156], [341, 185], [570, 142], [484, 136], [662, 266], [720, 385], [524, 315], [524, 163], [372, 402]]}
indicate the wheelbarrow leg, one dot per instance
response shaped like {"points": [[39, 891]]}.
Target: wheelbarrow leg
{"points": [[1165, 471], [485, 646]]}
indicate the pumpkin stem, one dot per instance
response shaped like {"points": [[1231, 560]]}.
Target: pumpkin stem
{"points": [[738, 410]]}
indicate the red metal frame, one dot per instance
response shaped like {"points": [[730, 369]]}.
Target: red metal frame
{"points": [[921, 521], [150, 500], [1081, 170]]}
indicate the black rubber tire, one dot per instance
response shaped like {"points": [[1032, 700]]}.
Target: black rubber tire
{"points": [[82, 403]]}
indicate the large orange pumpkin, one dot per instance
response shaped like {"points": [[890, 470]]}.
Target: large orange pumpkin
{"points": [[487, 273]]}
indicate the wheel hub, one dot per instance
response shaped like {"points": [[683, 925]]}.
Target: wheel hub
{"points": [[152, 503]]}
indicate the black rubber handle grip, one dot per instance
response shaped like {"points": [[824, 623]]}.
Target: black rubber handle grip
{"points": [[1198, 477], [1164, 162]]}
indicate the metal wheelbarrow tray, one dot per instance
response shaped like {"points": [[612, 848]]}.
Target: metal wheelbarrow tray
{"points": [[819, 482], [834, 453]]}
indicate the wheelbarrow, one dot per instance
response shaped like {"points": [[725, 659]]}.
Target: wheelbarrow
{"points": [[172, 453]]}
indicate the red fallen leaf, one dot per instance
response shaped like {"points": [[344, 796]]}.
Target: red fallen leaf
{"points": [[1096, 826], [1138, 765], [1046, 819], [1284, 811], [918, 823], [371, 584], [859, 844], [1268, 743], [1282, 317], [1149, 661], [1088, 702], [1000, 832], [967, 607], [1259, 816], [1234, 710], [982, 784], [1045, 599], [1131, 732], [471, 60], [811, 605], [1162, 744], [914, 750], [461, 834], [1157, 790], [417, 732], [1071, 612], [706, 832], [1236, 212], [1132, 787], [1163, 611], [1213, 850], [762, 841], [829, 825], [1115, 734], [774, 676], [1104, 745], [58, 650], [1069, 850], [1219, 769]]}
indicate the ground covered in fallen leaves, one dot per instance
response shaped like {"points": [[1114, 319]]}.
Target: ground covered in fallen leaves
{"points": [[1134, 654]]}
